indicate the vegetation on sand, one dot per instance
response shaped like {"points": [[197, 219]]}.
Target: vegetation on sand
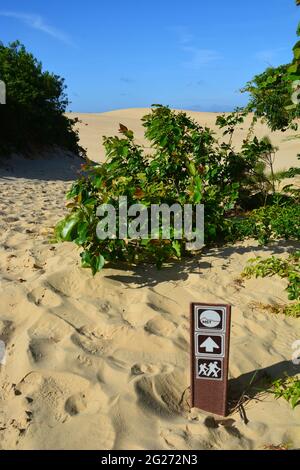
{"points": [[287, 388], [33, 117], [187, 165], [285, 268]]}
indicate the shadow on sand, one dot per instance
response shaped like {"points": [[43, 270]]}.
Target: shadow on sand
{"points": [[248, 386], [149, 276], [54, 166]]}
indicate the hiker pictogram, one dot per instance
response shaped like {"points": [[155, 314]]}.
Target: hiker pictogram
{"points": [[210, 369]]}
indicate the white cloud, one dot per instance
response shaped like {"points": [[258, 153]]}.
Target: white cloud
{"points": [[197, 56], [37, 22], [269, 55], [200, 57], [183, 34]]}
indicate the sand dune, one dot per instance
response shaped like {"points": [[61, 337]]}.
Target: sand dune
{"points": [[94, 126], [103, 362]]}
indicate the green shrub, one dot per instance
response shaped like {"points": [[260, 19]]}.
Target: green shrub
{"points": [[294, 69], [292, 173], [287, 388], [286, 268], [186, 166], [33, 117], [259, 184], [274, 94], [292, 310], [267, 223], [270, 98], [289, 310]]}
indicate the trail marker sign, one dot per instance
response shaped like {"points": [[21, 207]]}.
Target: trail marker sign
{"points": [[210, 335]]}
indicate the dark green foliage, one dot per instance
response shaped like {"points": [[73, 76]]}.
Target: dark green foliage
{"points": [[230, 121], [258, 181], [33, 117], [291, 172], [275, 93], [271, 98], [294, 69], [267, 223]]}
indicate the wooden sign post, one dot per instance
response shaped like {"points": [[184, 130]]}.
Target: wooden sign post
{"points": [[210, 334]]}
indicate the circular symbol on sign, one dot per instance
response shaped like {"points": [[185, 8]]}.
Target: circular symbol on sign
{"points": [[210, 318]]}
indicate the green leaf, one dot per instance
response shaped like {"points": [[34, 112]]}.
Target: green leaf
{"points": [[68, 228], [177, 248], [97, 263], [293, 68], [197, 197], [295, 400], [82, 233], [191, 168], [86, 258]]}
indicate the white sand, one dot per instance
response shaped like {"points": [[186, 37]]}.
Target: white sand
{"points": [[103, 362]]}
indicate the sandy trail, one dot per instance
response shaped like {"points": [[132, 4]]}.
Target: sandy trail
{"points": [[103, 362]]}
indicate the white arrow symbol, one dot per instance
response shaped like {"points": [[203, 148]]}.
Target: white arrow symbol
{"points": [[209, 345]]}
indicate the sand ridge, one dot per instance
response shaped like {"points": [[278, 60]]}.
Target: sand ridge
{"points": [[94, 126]]}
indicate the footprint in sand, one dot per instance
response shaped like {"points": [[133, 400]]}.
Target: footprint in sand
{"points": [[43, 296], [50, 326], [76, 404], [7, 329], [96, 346], [159, 326], [163, 393], [89, 402], [105, 307], [179, 437], [151, 369], [11, 219], [43, 349]]}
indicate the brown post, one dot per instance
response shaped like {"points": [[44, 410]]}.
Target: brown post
{"points": [[210, 335]]}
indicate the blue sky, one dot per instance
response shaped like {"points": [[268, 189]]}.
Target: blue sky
{"points": [[191, 54]]}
